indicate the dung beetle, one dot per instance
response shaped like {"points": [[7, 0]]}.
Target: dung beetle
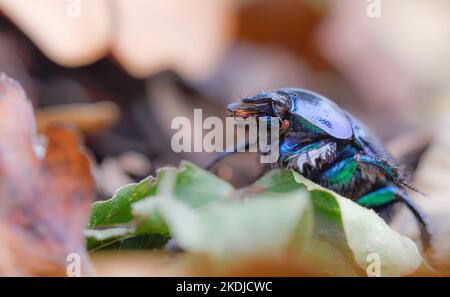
{"points": [[331, 147]]}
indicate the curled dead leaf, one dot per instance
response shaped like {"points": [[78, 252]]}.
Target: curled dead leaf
{"points": [[44, 202]]}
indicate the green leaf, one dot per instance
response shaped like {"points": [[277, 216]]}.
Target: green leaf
{"points": [[367, 235], [264, 225], [117, 210], [282, 213], [327, 247], [198, 187], [278, 181], [98, 238], [123, 238], [191, 185]]}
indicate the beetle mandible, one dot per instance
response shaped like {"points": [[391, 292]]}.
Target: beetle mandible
{"points": [[331, 147]]}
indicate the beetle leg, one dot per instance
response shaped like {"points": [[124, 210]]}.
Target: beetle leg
{"points": [[424, 225], [314, 154], [390, 194], [354, 175], [392, 170], [222, 155], [267, 166]]}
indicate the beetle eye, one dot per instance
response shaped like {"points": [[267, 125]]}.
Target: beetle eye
{"points": [[279, 104]]}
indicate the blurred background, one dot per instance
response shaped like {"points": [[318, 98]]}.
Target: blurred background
{"points": [[121, 70]]}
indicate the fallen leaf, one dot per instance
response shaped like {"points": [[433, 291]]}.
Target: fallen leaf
{"points": [[352, 42], [145, 37], [432, 177], [286, 217], [188, 36], [158, 264], [44, 202], [66, 38], [90, 118], [366, 233], [111, 217]]}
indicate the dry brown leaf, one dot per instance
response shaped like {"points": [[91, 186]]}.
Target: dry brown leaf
{"points": [[432, 177], [291, 24], [69, 41], [188, 36], [144, 36], [90, 118], [112, 264], [351, 41], [44, 202]]}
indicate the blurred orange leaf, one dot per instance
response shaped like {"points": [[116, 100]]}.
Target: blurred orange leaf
{"points": [[44, 201]]}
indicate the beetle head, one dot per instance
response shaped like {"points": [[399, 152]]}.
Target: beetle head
{"points": [[290, 104], [264, 104]]}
